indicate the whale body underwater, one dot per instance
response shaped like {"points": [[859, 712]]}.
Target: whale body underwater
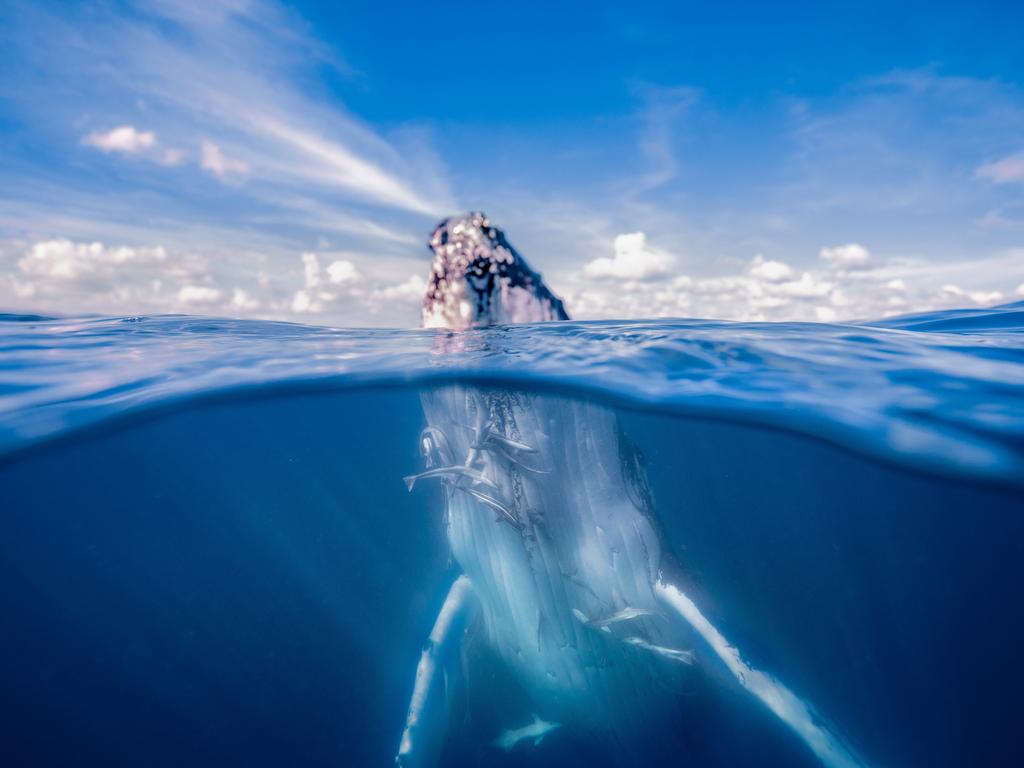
{"points": [[564, 573]]}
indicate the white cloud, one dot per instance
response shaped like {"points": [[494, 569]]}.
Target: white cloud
{"points": [[772, 290], [124, 138], [214, 161], [634, 259], [63, 275], [770, 271], [172, 156], [849, 256], [309, 298], [807, 286], [129, 140], [342, 271], [311, 269], [410, 291], [1008, 169], [304, 302], [312, 297], [241, 300], [68, 276], [199, 294], [66, 260], [986, 297]]}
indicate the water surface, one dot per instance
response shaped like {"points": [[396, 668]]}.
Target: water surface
{"points": [[209, 556]]}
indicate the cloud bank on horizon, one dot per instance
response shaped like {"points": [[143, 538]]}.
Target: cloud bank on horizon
{"points": [[249, 159]]}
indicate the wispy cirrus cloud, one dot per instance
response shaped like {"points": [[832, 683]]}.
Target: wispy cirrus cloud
{"points": [[1003, 171], [661, 112], [206, 127], [214, 161], [907, 140], [201, 81], [232, 88]]}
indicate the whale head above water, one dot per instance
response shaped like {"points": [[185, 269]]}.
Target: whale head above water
{"points": [[479, 279]]}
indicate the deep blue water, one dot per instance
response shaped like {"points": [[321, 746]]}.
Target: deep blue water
{"points": [[208, 556]]}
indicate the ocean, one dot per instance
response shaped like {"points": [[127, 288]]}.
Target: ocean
{"points": [[209, 556]]}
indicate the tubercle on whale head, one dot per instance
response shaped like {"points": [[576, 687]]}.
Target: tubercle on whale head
{"points": [[478, 279]]}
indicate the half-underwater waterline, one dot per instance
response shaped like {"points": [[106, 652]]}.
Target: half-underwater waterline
{"points": [[210, 555]]}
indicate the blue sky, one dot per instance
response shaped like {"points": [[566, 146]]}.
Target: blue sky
{"points": [[743, 160]]}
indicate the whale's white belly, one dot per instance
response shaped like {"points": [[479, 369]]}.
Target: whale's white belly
{"points": [[579, 545]]}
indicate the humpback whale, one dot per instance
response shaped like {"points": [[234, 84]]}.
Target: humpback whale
{"points": [[564, 570]]}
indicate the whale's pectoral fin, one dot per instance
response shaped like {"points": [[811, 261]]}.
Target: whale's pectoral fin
{"points": [[793, 711], [426, 724]]}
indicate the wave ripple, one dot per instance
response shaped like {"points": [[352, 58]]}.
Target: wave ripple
{"points": [[942, 391]]}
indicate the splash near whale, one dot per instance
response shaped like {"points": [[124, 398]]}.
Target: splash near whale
{"points": [[564, 570]]}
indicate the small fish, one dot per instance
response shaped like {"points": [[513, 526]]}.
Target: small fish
{"points": [[434, 445], [522, 465], [459, 471], [510, 449], [503, 511], [626, 614], [536, 730], [684, 657], [490, 436], [583, 619]]}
